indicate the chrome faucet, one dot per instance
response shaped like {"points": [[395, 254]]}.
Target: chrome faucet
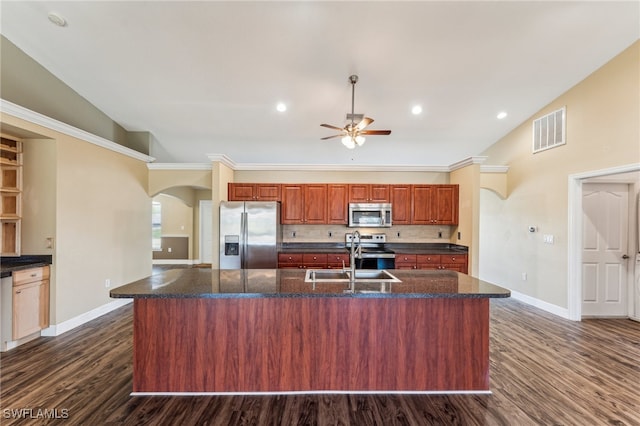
{"points": [[355, 252]]}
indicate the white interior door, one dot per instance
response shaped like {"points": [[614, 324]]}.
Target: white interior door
{"points": [[206, 231], [604, 245]]}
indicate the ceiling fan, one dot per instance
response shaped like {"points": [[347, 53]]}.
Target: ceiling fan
{"points": [[353, 133]]}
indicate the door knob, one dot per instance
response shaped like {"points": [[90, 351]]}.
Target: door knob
{"points": [[624, 256]]}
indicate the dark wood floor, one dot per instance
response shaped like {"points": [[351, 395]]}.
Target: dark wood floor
{"points": [[545, 370]]}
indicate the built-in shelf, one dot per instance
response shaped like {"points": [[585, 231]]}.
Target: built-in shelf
{"points": [[10, 194]]}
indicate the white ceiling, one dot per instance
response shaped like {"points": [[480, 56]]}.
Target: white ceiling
{"points": [[204, 77]]}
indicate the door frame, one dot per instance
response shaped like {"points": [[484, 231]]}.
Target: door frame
{"points": [[575, 223]]}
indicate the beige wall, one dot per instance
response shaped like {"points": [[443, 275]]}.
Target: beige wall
{"points": [[177, 219], [102, 225], [286, 176], [160, 180], [602, 131], [468, 179]]}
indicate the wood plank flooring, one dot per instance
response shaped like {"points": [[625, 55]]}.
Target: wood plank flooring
{"points": [[544, 371]]}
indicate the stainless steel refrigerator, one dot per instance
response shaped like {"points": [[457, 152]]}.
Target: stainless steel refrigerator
{"points": [[249, 234]]}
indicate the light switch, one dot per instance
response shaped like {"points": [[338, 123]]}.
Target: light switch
{"points": [[547, 238]]}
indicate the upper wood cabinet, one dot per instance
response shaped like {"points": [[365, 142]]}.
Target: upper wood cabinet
{"points": [[10, 195], [304, 204], [368, 193], [338, 203], [254, 192], [401, 204], [435, 205]]}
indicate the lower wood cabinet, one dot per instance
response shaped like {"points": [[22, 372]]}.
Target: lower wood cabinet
{"points": [[454, 262], [30, 301], [312, 260]]}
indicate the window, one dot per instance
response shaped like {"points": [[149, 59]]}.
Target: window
{"points": [[156, 225]]}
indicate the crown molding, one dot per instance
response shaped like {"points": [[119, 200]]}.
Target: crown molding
{"points": [[26, 114], [466, 162], [494, 169], [221, 158], [179, 166]]}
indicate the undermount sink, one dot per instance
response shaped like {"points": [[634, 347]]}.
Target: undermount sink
{"points": [[337, 276]]}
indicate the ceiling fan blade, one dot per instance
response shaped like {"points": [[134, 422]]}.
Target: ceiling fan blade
{"points": [[375, 132], [364, 123], [329, 126], [330, 137]]}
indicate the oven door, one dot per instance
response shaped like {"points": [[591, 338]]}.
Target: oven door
{"points": [[369, 261]]}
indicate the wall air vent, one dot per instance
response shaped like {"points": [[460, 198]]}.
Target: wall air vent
{"points": [[549, 130]]}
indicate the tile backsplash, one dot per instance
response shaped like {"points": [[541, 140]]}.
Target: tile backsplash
{"points": [[335, 233]]}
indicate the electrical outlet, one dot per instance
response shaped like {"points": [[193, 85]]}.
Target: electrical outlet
{"points": [[398, 234], [330, 234], [524, 276], [169, 249], [459, 235], [439, 234], [107, 283], [293, 234]]}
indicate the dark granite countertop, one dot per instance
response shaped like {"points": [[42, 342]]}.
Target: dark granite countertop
{"points": [[406, 248], [10, 264], [215, 283]]}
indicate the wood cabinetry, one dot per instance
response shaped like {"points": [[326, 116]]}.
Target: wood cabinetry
{"points": [[337, 203], [312, 260], [10, 195], [253, 192], [30, 301], [454, 262], [401, 204], [304, 204], [435, 205], [368, 193]]}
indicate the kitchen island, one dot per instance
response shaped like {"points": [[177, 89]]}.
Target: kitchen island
{"points": [[203, 331]]}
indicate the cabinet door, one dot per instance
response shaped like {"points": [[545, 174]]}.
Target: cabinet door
{"points": [[44, 304], [315, 204], [267, 192], [445, 205], [378, 193], [240, 192], [401, 204], [359, 193], [292, 209], [26, 310], [422, 196], [338, 199]]}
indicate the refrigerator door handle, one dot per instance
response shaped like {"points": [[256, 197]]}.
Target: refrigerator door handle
{"points": [[243, 232]]}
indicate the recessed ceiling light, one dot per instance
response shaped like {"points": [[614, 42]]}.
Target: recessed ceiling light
{"points": [[57, 19], [501, 115], [281, 107], [417, 109]]}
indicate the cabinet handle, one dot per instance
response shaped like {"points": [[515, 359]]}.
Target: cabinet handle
{"points": [[19, 291], [34, 275], [453, 258]]}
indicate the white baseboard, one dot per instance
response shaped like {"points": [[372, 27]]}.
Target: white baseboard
{"points": [[63, 327], [541, 304]]}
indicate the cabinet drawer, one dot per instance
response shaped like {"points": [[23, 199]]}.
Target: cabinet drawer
{"points": [[30, 275], [314, 259], [337, 259], [405, 258], [290, 259], [429, 258], [456, 258]]}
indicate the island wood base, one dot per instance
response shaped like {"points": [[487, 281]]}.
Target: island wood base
{"points": [[314, 344]]}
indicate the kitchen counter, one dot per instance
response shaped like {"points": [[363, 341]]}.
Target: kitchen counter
{"points": [[407, 248], [8, 265], [210, 332], [289, 283]]}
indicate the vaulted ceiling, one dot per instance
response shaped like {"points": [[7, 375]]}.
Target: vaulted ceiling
{"points": [[205, 77]]}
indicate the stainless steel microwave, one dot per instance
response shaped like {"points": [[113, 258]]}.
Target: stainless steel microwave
{"points": [[370, 215]]}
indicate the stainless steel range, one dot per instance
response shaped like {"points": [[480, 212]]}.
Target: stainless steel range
{"points": [[374, 254]]}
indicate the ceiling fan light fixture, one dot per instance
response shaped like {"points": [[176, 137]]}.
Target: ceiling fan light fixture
{"points": [[348, 142], [360, 140]]}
